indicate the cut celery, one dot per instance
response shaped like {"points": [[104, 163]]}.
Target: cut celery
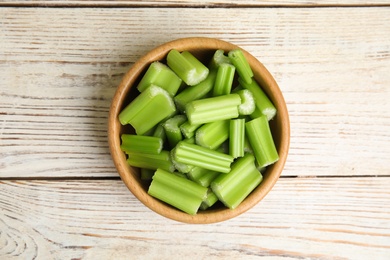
{"points": [[202, 176], [160, 75], [260, 138], [179, 192], [146, 174], [172, 129], [213, 109], [195, 92], [160, 132], [219, 58], [187, 67], [148, 109], [248, 104], [236, 137], [243, 68], [224, 80], [263, 103], [189, 130], [233, 187], [212, 135], [141, 144], [209, 201], [190, 140], [196, 155], [181, 167], [151, 161]]}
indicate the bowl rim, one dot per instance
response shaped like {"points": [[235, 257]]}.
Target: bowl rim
{"points": [[262, 75]]}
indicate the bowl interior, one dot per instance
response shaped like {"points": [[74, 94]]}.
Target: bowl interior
{"points": [[203, 49]]}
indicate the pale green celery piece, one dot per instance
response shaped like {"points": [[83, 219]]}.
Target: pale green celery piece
{"points": [[141, 144], [160, 132], [260, 138], [188, 130], [212, 135], [263, 103], [187, 67], [195, 92], [219, 57], [224, 80], [149, 108], [196, 155], [151, 161], [202, 176], [243, 68], [237, 137], [210, 200], [248, 104], [247, 145], [160, 75], [147, 174], [172, 129], [181, 167], [233, 187], [213, 109], [177, 191], [190, 140]]}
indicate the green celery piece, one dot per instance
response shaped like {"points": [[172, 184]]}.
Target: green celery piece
{"points": [[148, 109], [248, 104], [212, 135], [210, 200], [181, 167], [160, 75], [196, 155], [177, 191], [247, 145], [172, 129], [146, 174], [261, 141], [263, 103], [233, 187], [213, 109], [219, 58], [237, 137], [195, 92], [151, 161], [202, 176], [189, 130], [187, 67], [141, 144], [160, 132], [190, 140], [224, 80], [243, 68]]}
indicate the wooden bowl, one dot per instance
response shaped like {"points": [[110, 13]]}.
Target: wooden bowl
{"points": [[203, 49]]}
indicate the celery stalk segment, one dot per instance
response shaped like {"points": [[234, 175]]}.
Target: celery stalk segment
{"points": [[141, 144], [224, 80], [236, 137], [160, 75], [219, 58], [212, 135], [248, 104], [261, 141], [202, 176], [263, 103], [243, 68], [177, 191], [213, 109], [148, 109], [233, 187], [151, 161], [196, 155], [189, 130], [210, 200], [172, 129]]}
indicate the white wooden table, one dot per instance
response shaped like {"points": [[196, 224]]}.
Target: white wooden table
{"points": [[60, 195]]}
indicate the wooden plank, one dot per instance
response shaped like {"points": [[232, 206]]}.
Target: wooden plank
{"points": [[193, 3], [59, 74], [319, 218]]}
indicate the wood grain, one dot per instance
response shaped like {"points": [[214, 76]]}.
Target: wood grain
{"points": [[316, 218], [58, 75]]}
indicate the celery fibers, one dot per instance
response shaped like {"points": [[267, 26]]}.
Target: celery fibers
{"points": [[213, 109], [219, 58], [243, 68], [160, 75], [261, 141], [212, 135], [224, 80], [179, 192], [233, 187], [188, 130], [248, 104], [236, 137], [151, 161], [148, 109], [172, 129], [141, 144], [196, 155]]}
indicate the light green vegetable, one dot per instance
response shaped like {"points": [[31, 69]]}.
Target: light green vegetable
{"points": [[172, 129], [141, 144], [212, 135], [151, 161], [243, 68], [224, 80], [237, 137]]}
